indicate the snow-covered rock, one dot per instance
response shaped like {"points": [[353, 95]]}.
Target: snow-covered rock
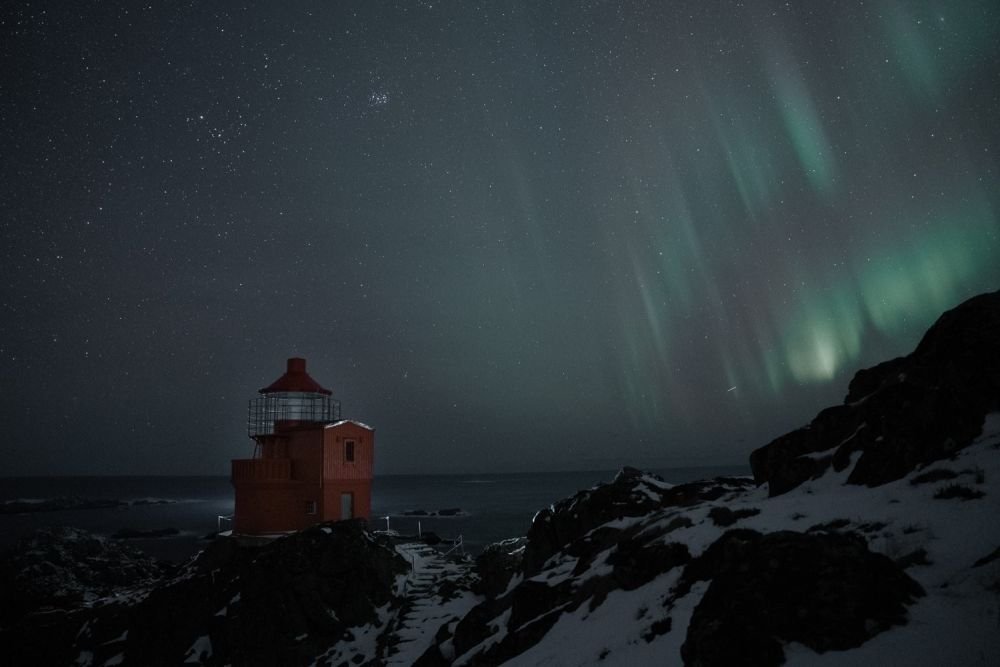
{"points": [[904, 573], [871, 539], [903, 413]]}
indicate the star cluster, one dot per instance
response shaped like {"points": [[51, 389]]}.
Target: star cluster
{"points": [[510, 235]]}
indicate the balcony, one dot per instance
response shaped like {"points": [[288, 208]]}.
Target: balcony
{"points": [[261, 470]]}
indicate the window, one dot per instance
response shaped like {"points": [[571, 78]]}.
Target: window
{"points": [[311, 507], [349, 451]]}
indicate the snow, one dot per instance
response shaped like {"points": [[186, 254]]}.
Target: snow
{"points": [[615, 628], [84, 630], [201, 646], [361, 645], [120, 638], [424, 610], [658, 483], [649, 493], [349, 421], [816, 456]]}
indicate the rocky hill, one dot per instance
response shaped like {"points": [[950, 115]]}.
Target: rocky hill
{"points": [[868, 536]]}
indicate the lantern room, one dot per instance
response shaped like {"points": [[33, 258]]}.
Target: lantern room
{"points": [[309, 465], [294, 398]]}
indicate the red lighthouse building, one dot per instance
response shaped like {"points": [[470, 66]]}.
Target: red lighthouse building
{"points": [[309, 465]]}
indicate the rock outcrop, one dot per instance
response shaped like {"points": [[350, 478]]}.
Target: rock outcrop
{"points": [[632, 493], [903, 413], [612, 537], [284, 603], [64, 568], [497, 565], [824, 590]]}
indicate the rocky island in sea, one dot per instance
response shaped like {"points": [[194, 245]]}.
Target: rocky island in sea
{"points": [[868, 536]]}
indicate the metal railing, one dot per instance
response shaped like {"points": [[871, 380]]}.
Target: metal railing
{"points": [[459, 544], [289, 407]]}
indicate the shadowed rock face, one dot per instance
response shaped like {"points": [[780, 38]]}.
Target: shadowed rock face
{"points": [[496, 565], [826, 591], [902, 413]]}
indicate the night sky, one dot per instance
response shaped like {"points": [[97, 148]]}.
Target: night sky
{"points": [[508, 235]]}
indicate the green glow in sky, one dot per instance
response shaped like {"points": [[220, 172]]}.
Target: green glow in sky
{"points": [[510, 234], [805, 130]]}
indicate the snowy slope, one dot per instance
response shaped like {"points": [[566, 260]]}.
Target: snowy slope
{"points": [[957, 622]]}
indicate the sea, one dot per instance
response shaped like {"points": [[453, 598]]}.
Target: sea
{"points": [[491, 507]]}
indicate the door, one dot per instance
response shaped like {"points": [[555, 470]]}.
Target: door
{"points": [[346, 506]]}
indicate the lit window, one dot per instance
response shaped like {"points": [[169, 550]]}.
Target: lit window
{"points": [[349, 451]]}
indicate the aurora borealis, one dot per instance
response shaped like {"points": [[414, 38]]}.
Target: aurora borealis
{"points": [[509, 235]]}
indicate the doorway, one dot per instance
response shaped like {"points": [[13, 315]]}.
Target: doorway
{"points": [[346, 506]]}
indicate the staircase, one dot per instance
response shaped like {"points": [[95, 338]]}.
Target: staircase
{"points": [[422, 611]]}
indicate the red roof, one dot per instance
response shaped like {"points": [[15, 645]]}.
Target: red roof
{"points": [[295, 379]]}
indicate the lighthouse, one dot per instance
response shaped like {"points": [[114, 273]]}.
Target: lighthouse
{"points": [[308, 464]]}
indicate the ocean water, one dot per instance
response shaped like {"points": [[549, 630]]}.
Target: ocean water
{"points": [[493, 507]]}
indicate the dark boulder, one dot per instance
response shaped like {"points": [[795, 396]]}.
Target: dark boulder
{"points": [[903, 413], [725, 517], [497, 565], [824, 590], [637, 562]]}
